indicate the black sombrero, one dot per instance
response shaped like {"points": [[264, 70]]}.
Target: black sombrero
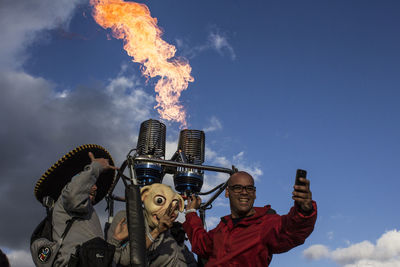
{"points": [[54, 179]]}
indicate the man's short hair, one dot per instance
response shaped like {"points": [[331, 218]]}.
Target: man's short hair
{"points": [[240, 173]]}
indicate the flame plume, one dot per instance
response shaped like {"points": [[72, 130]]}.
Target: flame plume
{"points": [[133, 23]]}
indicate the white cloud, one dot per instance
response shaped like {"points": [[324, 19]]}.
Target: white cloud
{"points": [[20, 258], [386, 252], [23, 23], [214, 125], [62, 94], [238, 160], [316, 252], [213, 157], [373, 263], [211, 222], [238, 156], [130, 102], [221, 44], [212, 179], [33, 115], [353, 253], [215, 41], [38, 123], [221, 202], [388, 245], [171, 147]]}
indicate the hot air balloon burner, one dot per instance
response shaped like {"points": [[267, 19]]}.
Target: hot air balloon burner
{"points": [[151, 144]]}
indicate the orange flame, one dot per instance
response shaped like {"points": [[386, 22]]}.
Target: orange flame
{"points": [[133, 23]]}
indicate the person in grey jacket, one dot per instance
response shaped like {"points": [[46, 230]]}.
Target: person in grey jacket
{"points": [[76, 201], [164, 250], [164, 240]]}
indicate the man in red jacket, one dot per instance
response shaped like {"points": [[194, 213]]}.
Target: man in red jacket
{"points": [[250, 235]]}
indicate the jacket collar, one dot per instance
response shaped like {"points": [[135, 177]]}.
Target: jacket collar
{"points": [[260, 211]]}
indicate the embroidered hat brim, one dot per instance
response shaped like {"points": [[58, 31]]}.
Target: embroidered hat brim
{"points": [[57, 176]]}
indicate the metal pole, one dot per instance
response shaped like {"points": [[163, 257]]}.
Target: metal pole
{"points": [[132, 171]]}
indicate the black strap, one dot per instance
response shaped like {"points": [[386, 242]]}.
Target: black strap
{"points": [[69, 224]]}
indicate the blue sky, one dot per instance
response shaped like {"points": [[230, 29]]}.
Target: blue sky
{"points": [[278, 85]]}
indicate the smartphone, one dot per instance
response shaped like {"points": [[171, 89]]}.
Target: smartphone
{"points": [[300, 173]]}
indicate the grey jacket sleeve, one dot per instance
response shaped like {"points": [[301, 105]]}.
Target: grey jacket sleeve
{"points": [[121, 255], [75, 195]]}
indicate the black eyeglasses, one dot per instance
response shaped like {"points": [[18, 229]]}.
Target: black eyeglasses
{"points": [[237, 188]]}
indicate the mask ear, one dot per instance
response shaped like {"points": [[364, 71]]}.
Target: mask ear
{"points": [[181, 202], [145, 191], [226, 192]]}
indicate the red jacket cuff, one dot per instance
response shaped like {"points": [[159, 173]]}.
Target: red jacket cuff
{"points": [[313, 213]]}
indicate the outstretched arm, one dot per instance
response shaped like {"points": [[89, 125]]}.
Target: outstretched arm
{"points": [[292, 229], [200, 239], [75, 195]]}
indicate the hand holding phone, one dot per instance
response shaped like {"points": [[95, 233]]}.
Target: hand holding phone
{"points": [[300, 173], [302, 195]]}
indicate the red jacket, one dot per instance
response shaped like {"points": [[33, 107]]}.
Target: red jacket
{"points": [[253, 240]]}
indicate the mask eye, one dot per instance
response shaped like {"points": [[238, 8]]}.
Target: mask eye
{"points": [[159, 200]]}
